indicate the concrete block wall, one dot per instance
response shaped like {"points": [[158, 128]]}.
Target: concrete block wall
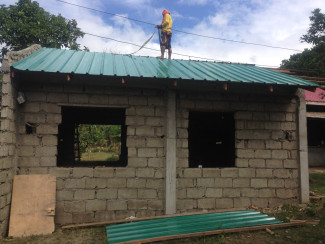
{"points": [[87, 194], [266, 171], [7, 150], [8, 134], [266, 168]]}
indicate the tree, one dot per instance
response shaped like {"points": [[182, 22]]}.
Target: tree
{"points": [[93, 138], [90, 136], [311, 62], [1, 74], [26, 23], [316, 32]]}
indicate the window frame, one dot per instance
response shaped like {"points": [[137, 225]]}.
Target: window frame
{"points": [[72, 116]]}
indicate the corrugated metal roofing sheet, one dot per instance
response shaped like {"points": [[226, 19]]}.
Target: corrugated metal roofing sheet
{"points": [[317, 96], [92, 63], [186, 224]]}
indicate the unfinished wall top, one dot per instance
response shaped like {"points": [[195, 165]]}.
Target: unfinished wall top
{"points": [[14, 56]]}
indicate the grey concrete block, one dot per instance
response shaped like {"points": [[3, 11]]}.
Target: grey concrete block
{"points": [[95, 205]]}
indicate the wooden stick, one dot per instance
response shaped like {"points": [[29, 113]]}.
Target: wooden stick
{"points": [[103, 223], [215, 232], [308, 222]]}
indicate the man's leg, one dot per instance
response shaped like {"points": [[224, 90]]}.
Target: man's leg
{"points": [[163, 48], [163, 44], [169, 39]]}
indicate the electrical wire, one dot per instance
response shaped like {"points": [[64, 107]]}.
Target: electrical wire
{"points": [[180, 54], [184, 32]]}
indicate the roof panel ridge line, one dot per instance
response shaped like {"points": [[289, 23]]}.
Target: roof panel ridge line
{"points": [[177, 63], [157, 67], [96, 63], [195, 66], [169, 67], [134, 63], [33, 55], [233, 69], [113, 63], [229, 75], [293, 79], [272, 76], [154, 65], [195, 73], [124, 64], [250, 72], [285, 79], [101, 70], [84, 53], [148, 68], [91, 63], [68, 59], [240, 73], [213, 70], [51, 50]]}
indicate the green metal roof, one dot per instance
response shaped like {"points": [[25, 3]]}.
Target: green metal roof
{"points": [[186, 224], [107, 64]]}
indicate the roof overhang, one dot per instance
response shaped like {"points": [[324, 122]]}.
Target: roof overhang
{"points": [[87, 65]]}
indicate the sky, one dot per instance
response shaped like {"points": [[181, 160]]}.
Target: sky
{"points": [[278, 23]]}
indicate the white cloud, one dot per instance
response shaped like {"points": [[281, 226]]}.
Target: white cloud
{"points": [[278, 23], [273, 22], [133, 3], [8, 2], [219, 19], [193, 2]]}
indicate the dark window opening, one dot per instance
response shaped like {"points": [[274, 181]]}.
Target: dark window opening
{"points": [[30, 128], [315, 108], [92, 137], [211, 139], [316, 132]]}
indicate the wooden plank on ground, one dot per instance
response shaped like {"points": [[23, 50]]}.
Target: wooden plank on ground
{"points": [[215, 232], [33, 205], [104, 223]]}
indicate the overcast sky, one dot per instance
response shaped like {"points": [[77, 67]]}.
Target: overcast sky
{"points": [[278, 23]]}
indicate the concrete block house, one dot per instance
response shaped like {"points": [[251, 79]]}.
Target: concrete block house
{"points": [[194, 135]]}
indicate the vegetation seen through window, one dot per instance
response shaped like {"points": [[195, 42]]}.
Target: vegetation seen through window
{"points": [[97, 142]]}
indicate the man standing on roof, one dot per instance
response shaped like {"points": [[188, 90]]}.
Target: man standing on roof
{"points": [[166, 34]]}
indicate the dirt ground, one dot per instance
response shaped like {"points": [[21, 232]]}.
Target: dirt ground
{"points": [[317, 170], [305, 234], [60, 236]]}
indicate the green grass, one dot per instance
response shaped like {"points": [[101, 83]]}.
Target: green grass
{"points": [[292, 212], [317, 183], [95, 235]]}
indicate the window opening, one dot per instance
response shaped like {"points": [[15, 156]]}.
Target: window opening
{"points": [[316, 132], [211, 139], [30, 127], [92, 137]]}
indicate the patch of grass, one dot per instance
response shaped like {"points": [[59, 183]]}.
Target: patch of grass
{"points": [[317, 183], [74, 236], [291, 212]]}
